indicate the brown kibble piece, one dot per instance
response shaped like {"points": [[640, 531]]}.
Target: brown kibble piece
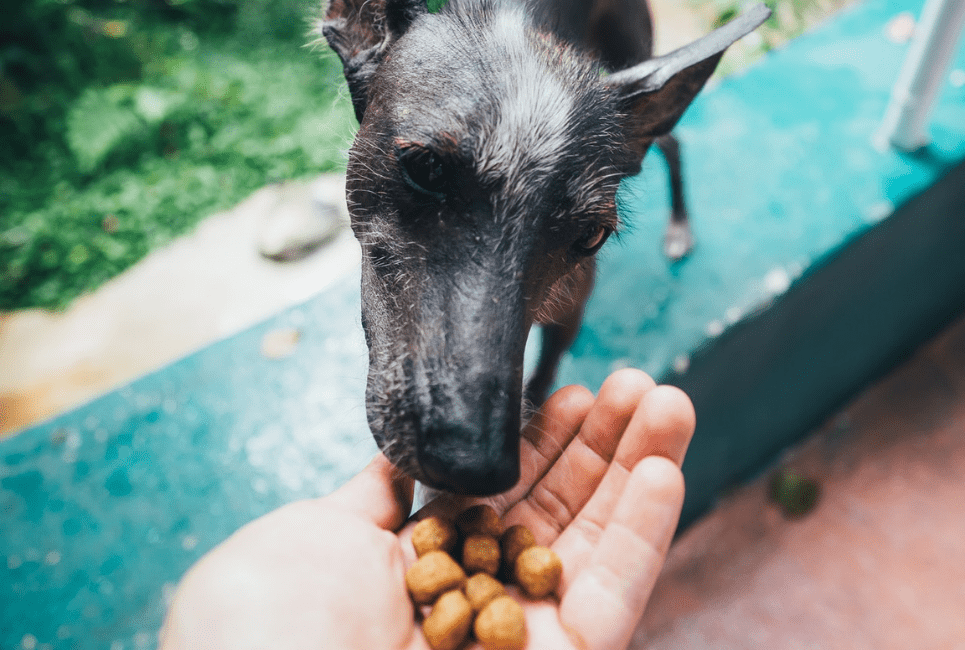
{"points": [[434, 534], [479, 519], [538, 571], [480, 553], [482, 588], [501, 625], [431, 575], [448, 623], [514, 541]]}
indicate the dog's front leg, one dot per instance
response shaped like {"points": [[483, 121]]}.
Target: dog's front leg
{"points": [[678, 239], [560, 317]]}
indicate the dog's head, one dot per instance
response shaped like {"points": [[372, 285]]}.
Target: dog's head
{"points": [[481, 182]]}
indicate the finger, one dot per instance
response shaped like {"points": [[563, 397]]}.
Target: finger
{"points": [[554, 501], [605, 601], [662, 425], [545, 437], [379, 493], [666, 416]]}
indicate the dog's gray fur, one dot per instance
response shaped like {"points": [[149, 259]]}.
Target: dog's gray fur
{"points": [[493, 136]]}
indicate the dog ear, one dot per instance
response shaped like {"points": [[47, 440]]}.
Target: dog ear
{"points": [[360, 32], [656, 93]]}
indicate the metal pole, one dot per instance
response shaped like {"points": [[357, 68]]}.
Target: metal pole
{"points": [[932, 47]]}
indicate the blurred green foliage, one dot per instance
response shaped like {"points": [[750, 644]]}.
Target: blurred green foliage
{"points": [[789, 19], [125, 122]]}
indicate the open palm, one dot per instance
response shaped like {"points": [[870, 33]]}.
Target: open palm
{"points": [[600, 484]]}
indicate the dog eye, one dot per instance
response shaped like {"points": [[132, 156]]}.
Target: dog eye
{"points": [[592, 240], [424, 171]]}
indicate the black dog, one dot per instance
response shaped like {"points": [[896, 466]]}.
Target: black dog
{"points": [[481, 183]]}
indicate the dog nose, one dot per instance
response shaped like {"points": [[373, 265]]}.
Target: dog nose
{"points": [[456, 458]]}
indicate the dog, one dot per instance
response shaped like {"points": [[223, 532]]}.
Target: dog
{"points": [[481, 183]]}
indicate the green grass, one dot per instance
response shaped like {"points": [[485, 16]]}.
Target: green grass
{"points": [[127, 166]]}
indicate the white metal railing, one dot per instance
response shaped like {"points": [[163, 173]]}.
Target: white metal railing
{"points": [[914, 93]]}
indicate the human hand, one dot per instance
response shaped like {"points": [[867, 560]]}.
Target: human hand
{"points": [[601, 485]]}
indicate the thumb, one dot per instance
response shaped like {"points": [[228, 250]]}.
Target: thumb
{"points": [[380, 493]]}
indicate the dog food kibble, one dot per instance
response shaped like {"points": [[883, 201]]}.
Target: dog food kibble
{"points": [[501, 625], [480, 553], [514, 541], [434, 534], [432, 574], [538, 571], [482, 588], [448, 623], [491, 555], [481, 519]]}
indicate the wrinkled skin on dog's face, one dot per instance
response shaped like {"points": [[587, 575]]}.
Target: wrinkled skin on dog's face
{"points": [[479, 191], [481, 183]]}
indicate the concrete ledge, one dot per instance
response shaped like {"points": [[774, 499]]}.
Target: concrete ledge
{"points": [[773, 377]]}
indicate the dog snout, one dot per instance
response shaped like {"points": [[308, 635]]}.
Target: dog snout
{"points": [[462, 458]]}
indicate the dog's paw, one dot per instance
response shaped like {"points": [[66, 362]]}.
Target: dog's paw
{"points": [[678, 241]]}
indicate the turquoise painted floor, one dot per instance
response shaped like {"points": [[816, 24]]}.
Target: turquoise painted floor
{"points": [[104, 507]]}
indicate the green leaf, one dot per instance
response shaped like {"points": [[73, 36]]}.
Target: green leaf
{"points": [[156, 104], [98, 123]]}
